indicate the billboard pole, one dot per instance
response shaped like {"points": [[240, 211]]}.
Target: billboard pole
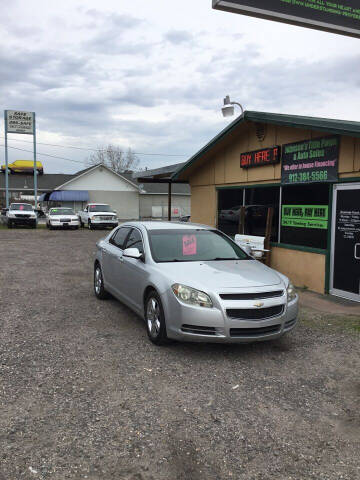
{"points": [[6, 162], [35, 166]]}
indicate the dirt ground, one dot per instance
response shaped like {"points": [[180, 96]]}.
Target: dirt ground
{"points": [[84, 395]]}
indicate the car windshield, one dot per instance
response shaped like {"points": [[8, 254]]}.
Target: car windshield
{"points": [[99, 208], [21, 206], [193, 245], [62, 211]]}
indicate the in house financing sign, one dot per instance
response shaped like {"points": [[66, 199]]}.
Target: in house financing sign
{"points": [[341, 16], [310, 161]]}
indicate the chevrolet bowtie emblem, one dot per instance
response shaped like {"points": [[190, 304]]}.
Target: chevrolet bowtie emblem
{"points": [[259, 304]]}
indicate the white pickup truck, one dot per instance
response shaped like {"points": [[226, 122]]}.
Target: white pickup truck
{"points": [[98, 215]]}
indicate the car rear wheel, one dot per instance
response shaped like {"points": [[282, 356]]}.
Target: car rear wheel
{"points": [[99, 289], [155, 320]]}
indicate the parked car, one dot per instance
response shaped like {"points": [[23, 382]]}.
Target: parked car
{"points": [[192, 282], [98, 215], [62, 217], [23, 166], [21, 214], [231, 214]]}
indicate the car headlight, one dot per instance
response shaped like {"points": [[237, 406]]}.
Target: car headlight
{"points": [[291, 292], [191, 296], [11, 215]]}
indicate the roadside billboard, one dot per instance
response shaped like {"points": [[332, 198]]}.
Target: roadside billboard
{"points": [[341, 17]]}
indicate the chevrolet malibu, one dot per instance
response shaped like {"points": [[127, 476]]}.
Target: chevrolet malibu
{"points": [[191, 282]]}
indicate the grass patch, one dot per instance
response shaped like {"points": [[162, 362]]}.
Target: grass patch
{"points": [[329, 322]]}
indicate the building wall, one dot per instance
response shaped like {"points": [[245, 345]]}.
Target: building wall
{"points": [[223, 168], [126, 204], [305, 269], [100, 179], [147, 201]]}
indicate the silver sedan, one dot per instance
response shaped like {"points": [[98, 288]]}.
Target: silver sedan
{"points": [[191, 282]]}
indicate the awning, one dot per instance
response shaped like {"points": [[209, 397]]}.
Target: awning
{"points": [[65, 196], [70, 195]]}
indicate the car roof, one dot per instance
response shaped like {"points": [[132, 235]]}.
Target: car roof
{"points": [[94, 203], [162, 225]]}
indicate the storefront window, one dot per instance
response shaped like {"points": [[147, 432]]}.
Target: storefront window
{"points": [[305, 215], [257, 201], [230, 200]]}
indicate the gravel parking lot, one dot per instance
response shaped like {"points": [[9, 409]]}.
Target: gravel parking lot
{"points": [[83, 393]]}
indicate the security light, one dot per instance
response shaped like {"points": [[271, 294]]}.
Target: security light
{"points": [[228, 107]]}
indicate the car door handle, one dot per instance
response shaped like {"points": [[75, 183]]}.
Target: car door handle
{"points": [[356, 246]]}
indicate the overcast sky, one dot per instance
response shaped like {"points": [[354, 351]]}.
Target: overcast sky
{"points": [[152, 75]]}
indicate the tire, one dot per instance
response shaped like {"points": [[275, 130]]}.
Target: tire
{"points": [[90, 225], [47, 225], [99, 289], [155, 319], [10, 225], [81, 223]]}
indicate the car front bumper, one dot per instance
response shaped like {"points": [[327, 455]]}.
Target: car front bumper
{"points": [[22, 221], [104, 224], [198, 324], [58, 224]]}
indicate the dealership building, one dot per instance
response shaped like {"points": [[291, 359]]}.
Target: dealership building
{"points": [[308, 170]]}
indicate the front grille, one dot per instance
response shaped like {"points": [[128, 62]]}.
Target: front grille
{"points": [[255, 313], [254, 332], [198, 329], [105, 218], [20, 215], [289, 323], [65, 220], [251, 296]]}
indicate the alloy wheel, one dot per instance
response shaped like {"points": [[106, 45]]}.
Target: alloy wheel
{"points": [[153, 317], [98, 281]]}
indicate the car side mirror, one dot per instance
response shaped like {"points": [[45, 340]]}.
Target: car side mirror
{"points": [[132, 253]]}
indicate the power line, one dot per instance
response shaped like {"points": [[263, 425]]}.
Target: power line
{"points": [[98, 149], [46, 155]]}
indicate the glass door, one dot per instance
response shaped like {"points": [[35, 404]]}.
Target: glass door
{"points": [[345, 244]]}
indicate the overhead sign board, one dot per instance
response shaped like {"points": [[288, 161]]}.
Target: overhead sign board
{"points": [[310, 161], [341, 16], [265, 156], [19, 122]]}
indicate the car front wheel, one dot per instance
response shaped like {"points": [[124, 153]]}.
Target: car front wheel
{"points": [[99, 289], [155, 320]]}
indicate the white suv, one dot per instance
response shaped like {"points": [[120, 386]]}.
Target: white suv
{"points": [[21, 214]]}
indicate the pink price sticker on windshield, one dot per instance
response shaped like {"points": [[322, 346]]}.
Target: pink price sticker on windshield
{"points": [[21, 207], [189, 245]]}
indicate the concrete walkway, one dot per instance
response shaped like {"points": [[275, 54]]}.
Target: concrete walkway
{"points": [[329, 304]]}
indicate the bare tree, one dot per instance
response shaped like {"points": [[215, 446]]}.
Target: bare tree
{"points": [[115, 158]]}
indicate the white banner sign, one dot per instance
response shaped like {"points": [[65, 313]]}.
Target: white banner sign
{"points": [[19, 122]]}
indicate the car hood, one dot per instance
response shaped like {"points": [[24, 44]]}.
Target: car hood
{"points": [[221, 274], [96, 214]]}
